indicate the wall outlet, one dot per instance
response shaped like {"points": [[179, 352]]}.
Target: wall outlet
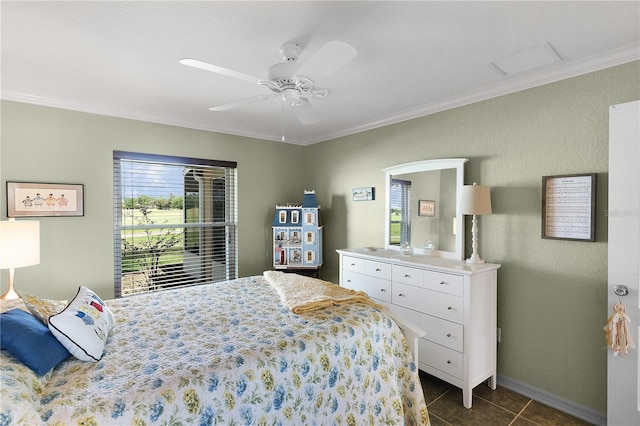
{"points": [[499, 334]]}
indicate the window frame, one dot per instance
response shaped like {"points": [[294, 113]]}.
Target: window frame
{"points": [[229, 224]]}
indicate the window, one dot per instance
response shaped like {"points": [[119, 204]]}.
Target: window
{"points": [[175, 222], [400, 228]]}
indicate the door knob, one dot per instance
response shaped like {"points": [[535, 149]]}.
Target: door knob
{"points": [[621, 290]]}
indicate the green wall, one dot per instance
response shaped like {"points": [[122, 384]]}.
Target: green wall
{"points": [[41, 144], [552, 294]]}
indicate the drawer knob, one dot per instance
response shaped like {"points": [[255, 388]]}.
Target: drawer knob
{"points": [[407, 275], [383, 290], [449, 308], [400, 294], [448, 361], [348, 281], [353, 264], [442, 283], [378, 269], [448, 334]]}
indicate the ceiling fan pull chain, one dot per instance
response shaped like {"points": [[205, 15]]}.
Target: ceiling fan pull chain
{"points": [[282, 121]]}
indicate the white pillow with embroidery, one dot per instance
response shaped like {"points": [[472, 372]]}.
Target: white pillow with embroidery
{"points": [[84, 325]]}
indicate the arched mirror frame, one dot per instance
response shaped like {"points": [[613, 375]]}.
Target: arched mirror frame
{"points": [[427, 166]]}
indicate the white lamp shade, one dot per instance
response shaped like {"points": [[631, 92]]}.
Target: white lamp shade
{"points": [[474, 199], [19, 244]]}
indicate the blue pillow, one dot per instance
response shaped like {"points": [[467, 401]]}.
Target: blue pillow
{"points": [[28, 339]]}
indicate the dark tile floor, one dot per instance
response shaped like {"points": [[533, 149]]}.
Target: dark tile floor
{"points": [[490, 407]]}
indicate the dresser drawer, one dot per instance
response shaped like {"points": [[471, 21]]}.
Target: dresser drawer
{"points": [[443, 332], [353, 264], [377, 269], [446, 283], [407, 275], [434, 303], [441, 358], [376, 288]]}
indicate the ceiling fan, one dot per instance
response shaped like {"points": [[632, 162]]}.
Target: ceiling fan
{"points": [[292, 82]]}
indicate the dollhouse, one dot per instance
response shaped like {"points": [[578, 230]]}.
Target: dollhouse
{"points": [[297, 236]]}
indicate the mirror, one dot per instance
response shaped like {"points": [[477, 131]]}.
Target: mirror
{"points": [[421, 207]]}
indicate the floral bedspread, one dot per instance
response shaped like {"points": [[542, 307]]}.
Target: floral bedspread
{"points": [[227, 353]]}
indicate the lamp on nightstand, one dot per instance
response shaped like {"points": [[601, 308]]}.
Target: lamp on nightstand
{"points": [[474, 200], [19, 246]]}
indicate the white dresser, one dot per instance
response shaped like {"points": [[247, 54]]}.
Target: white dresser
{"points": [[452, 301]]}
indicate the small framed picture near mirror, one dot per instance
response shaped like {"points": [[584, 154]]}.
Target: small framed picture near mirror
{"points": [[569, 207], [364, 194], [426, 208]]}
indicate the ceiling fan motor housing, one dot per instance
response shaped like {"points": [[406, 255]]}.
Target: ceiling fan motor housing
{"points": [[282, 73]]}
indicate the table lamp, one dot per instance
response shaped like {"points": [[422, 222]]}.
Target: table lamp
{"points": [[474, 200], [19, 246]]}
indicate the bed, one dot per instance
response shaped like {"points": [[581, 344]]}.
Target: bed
{"points": [[226, 353]]}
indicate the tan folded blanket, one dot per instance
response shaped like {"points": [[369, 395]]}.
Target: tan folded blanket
{"points": [[303, 294]]}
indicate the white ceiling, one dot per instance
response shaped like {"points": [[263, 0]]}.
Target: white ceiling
{"points": [[121, 58]]}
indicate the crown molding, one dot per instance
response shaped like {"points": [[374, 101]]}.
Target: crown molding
{"points": [[557, 73], [553, 74], [126, 113]]}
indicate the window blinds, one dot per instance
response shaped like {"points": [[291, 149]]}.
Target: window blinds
{"points": [[400, 211], [175, 222]]}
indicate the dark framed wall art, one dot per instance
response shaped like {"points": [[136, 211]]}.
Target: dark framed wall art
{"points": [[569, 207]]}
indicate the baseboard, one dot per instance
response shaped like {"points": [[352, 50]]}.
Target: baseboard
{"points": [[554, 401]]}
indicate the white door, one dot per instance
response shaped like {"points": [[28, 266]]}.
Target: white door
{"points": [[623, 381]]}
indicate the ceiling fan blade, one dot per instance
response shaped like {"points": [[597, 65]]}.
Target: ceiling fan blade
{"points": [[242, 102], [219, 70], [358, 97], [329, 58], [305, 113]]}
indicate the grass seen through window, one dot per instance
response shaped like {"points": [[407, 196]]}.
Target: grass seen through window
{"points": [[148, 240]]}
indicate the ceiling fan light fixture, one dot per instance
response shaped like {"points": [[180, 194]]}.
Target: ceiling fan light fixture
{"points": [[291, 96]]}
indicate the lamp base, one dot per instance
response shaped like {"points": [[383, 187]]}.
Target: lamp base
{"points": [[475, 260], [11, 293]]}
